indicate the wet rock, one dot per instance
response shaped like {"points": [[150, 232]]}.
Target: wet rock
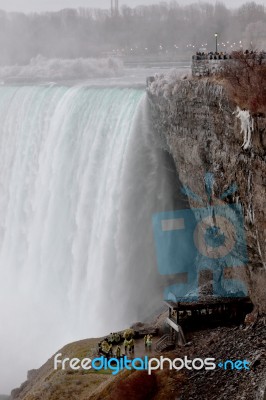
{"points": [[142, 329], [251, 318], [32, 374], [203, 135]]}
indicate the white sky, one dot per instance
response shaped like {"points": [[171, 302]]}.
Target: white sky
{"points": [[49, 5]]}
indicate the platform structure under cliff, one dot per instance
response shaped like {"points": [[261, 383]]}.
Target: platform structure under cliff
{"points": [[204, 312], [207, 311]]}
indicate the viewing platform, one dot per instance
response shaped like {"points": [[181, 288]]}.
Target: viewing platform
{"points": [[208, 310], [205, 64]]}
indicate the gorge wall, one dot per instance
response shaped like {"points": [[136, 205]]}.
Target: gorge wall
{"points": [[204, 134]]}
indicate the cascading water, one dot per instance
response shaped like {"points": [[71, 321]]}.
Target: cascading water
{"points": [[80, 176]]}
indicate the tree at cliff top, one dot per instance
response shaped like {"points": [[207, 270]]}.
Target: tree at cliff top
{"points": [[245, 75]]}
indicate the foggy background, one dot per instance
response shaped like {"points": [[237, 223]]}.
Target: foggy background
{"points": [[51, 5], [166, 29]]}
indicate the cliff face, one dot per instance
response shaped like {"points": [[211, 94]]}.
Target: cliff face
{"points": [[203, 134]]}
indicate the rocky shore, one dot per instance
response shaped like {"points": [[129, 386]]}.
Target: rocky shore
{"points": [[222, 343]]}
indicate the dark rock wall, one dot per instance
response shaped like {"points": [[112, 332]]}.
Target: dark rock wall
{"points": [[204, 134]]}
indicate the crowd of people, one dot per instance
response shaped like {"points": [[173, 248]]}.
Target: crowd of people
{"points": [[211, 56], [225, 56], [111, 346], [105, 347]]}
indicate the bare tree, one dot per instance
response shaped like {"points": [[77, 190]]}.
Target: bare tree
{"points": [[245, 76]]}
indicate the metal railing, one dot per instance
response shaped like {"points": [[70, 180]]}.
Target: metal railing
{"points": [[164, 342]]}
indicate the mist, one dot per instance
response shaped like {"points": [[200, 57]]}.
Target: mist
{"points": [[56, 69], [164, 30], [56, 40], [56, 5]]}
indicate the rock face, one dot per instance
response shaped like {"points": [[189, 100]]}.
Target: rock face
{"points": [[204, 134], [227, 343]]}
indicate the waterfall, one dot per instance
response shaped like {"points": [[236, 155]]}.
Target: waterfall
{"points": [[81, 173]]}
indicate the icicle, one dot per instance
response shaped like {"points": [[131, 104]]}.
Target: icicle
{"points": [[247, 126]]}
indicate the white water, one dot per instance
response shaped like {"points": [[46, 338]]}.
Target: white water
{"points": [[80, 176], [56, 69]]}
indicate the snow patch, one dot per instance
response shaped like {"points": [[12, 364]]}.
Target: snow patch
{"points": [[167, 85]]}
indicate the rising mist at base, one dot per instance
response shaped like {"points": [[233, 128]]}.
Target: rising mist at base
{"points": [[81, 174]]}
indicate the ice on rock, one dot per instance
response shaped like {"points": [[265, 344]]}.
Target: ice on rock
{"points": [[247, 126]]}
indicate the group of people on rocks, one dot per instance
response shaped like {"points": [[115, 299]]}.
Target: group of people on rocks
{"points": [[106, 346]]}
